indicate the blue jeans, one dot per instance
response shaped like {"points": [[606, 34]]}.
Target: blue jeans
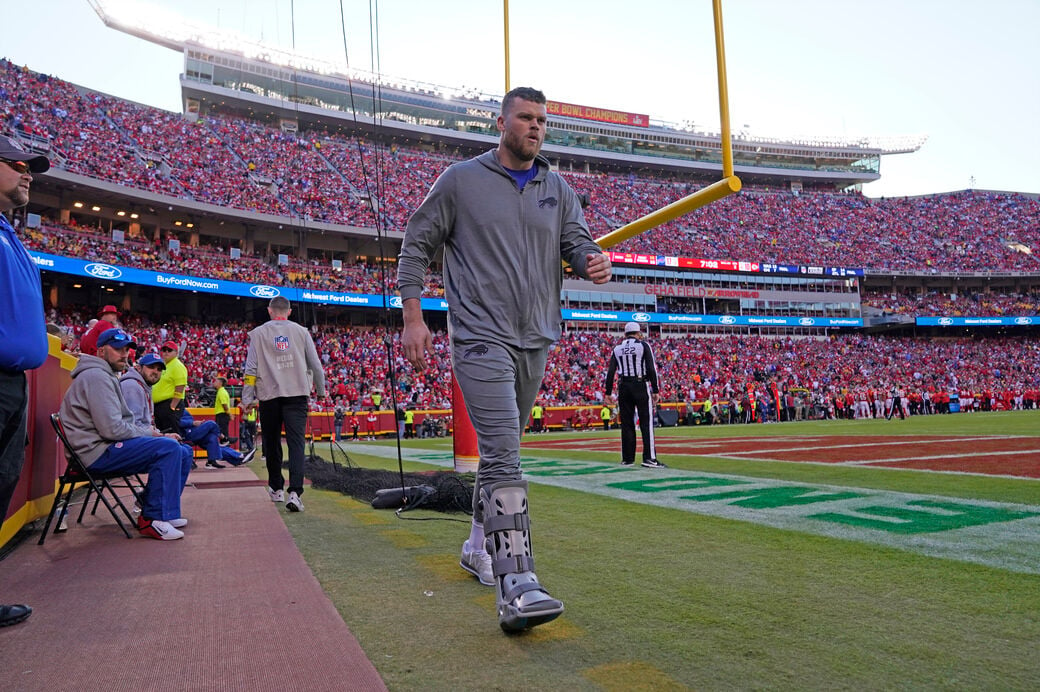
{"points": [[167, 463], [247, 435]]}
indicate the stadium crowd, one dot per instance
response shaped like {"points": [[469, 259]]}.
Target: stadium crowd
{"points": [[945, 305], [327, 176], [211, 261], [692, 368]]}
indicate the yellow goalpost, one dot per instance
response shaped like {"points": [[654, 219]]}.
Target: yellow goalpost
{"points": [[729, 183]]}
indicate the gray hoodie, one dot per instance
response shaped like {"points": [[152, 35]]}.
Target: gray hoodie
{"points": [[94, 412], [502, 250], [138, 396]]}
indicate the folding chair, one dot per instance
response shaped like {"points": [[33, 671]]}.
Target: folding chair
{"points": [[76, 472]]}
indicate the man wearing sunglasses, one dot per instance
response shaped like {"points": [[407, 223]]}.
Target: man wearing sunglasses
{"points": [[23, 329]]}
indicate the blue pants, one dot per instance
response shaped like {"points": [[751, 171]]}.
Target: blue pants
{"points": [[167, 463], [207, 435]]}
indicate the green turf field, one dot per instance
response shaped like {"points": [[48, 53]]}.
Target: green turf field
{"points": [[705, 575]]}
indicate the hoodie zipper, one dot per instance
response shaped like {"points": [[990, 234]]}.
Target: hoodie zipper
{"points": [[525, 297]]}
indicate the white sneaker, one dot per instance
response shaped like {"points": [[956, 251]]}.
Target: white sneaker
{"points": [[477, 563], [276, 495], [178, 523], [293, 503], [161, 530]]}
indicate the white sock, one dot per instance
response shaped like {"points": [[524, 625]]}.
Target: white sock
{"points": [[476, 536]]}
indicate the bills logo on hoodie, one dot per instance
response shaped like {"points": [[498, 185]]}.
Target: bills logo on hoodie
{"points": [[281, 343]]}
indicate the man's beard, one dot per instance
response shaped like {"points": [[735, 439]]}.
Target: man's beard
{"points": [[515, 144], [17, 197]]}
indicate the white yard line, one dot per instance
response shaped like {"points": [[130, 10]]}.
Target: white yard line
{"points": [[965, 455], [765, 450]]}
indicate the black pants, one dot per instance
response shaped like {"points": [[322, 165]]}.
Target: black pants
{"points": [[167, 420], [291, 412], [13, 402], [224, 423], [634, 396]]}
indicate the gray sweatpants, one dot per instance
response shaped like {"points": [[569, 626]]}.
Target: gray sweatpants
{"points": [[499, 384]]}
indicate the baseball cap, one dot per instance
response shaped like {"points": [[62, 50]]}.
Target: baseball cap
{"points": [[170, 346], [151, 359], [632, 327], [116, 338], [108, 308], [13, 151]]}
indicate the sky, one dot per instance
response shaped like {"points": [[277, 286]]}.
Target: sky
{"points": [[964, 74]]}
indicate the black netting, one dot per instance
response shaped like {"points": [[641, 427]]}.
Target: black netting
{"points": [[442, 491]]}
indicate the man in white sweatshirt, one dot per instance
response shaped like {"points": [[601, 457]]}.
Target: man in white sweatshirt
{"points": [[282, 366]]}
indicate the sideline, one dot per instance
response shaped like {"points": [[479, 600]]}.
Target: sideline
{"points": [[232, 606]]}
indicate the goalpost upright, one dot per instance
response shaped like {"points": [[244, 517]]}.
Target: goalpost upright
{"points": [[729, 183]]}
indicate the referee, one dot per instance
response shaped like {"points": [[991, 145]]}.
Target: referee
{"points": [[633, 361]]}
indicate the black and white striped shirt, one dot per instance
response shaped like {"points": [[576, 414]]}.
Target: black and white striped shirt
{"points": [[632, 358]]}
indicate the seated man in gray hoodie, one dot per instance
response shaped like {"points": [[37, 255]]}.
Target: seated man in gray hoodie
{"points": [[137, 383], [102, 431]]}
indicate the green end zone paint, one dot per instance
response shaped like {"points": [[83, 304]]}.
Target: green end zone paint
{"points": [[999, 535]]}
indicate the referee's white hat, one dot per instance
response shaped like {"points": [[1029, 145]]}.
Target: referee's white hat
{"points": [[632, 328]]}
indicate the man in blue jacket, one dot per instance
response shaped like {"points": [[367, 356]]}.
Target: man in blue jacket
{"points": [[23, 330], [505, 220]]}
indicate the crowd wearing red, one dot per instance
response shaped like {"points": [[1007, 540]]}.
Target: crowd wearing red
{"points": [[327, 176]]}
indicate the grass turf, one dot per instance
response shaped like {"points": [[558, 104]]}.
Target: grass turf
{"points": [[660, 598]]}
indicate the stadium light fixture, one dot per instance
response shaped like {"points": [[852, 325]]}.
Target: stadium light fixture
{"points": [[95, 208], [120, 213], [78, 205], [140, 19], [134, 215]]}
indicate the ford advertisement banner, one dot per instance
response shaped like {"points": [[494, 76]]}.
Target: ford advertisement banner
{"points": [[1021, 321], [724, 320], [110, 272]]}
